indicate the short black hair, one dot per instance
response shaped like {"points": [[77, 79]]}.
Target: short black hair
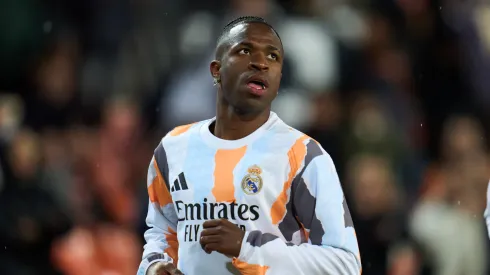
{"points": [[243, 20]]}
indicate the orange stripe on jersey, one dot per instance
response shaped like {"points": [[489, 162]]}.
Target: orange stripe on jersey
{"points": [[250, 269], [157, 191], [296, 155], [225, 162], [173, 245], [180, 129], [307, 234]]}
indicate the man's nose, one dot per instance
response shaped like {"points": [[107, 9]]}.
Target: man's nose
{"points": [[259, 63]]}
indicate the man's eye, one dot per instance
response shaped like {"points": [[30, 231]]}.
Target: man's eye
{"points": [[244, 51], [273, 56]]}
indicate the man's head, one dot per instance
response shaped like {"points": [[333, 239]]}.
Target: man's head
{"points": [[248, 65]]}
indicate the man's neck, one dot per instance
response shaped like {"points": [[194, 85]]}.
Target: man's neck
{"points": [[230, 125]]}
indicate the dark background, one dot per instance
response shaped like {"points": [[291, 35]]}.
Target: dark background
{"points": [[397, 91]]}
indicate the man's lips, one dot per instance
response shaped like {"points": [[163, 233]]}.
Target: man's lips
{"points": [[256, 89], [257, 84]]}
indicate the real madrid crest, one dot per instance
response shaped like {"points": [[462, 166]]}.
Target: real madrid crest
{"points": [[252, 182]]}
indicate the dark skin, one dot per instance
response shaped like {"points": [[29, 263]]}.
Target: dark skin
{"points": [[221, 236], [250, 50]]}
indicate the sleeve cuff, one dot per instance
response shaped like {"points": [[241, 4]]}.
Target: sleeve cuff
{"points": [[152, 259], [245, 251]]}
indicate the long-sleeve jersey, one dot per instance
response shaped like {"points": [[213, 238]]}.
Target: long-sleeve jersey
{"points": [[277, 184], [487, 210]]}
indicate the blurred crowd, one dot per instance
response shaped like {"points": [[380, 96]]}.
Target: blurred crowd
{"points": [[397, 91]]}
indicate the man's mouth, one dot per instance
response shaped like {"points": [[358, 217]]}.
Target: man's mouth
{"points": [[256, 85]]}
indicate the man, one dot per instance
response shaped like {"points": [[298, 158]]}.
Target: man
{"points": [[243, 193]]}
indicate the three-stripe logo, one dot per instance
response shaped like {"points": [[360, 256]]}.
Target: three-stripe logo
{"points": [[179, 184]]}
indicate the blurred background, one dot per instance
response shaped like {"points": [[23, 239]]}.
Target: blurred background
{"points": [[397, 91]]}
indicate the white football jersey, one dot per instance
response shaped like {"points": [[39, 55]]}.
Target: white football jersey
{"points": [[277, 184]]}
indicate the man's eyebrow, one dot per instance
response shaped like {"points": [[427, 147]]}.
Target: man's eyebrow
{"points": [[251, 45]]}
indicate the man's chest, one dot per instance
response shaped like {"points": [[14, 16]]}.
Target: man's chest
{"points": [[226, 180], [232, 184]]}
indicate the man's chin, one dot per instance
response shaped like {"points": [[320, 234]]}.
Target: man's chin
{"points": [[249, 108]]}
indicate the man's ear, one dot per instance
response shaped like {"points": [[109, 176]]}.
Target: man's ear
{"points": [[214, 68]]}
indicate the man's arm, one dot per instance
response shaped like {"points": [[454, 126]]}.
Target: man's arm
{"points": [[317, 201], [161, 237], [487, 211]]}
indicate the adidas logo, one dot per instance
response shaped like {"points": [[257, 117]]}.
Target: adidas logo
{"points": [[179, 184]]}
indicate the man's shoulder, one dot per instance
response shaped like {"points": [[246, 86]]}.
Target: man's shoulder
{"points": [[182, 132], [297, 141], [285, 131]]}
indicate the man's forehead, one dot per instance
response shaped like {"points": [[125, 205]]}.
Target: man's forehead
{"points": [[237, 30], [251, 30]]}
